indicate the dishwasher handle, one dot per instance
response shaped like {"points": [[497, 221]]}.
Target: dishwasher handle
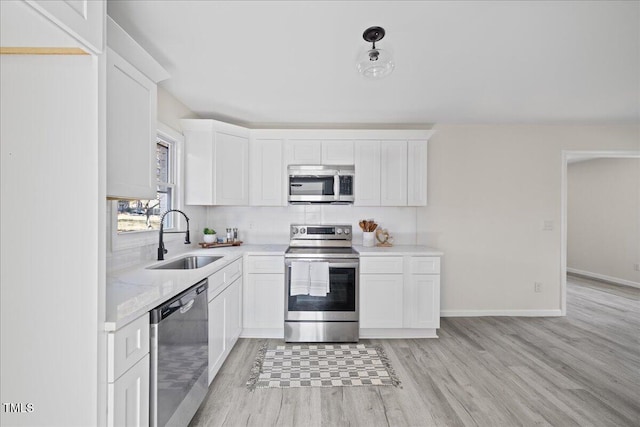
{"points": [[180, 303], [186, 307]]}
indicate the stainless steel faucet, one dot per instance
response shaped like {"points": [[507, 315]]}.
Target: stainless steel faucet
{"points": [[161, 249]]}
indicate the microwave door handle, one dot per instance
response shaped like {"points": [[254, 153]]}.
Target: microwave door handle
{"points": [[336, 187]]}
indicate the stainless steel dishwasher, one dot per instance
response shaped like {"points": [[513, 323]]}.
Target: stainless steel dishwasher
{"points": [[179, 357]]}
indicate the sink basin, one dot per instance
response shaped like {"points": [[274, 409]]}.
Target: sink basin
{"points": [[187, 263]]}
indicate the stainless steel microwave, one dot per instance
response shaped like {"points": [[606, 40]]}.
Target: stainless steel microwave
{"points": [[311, 184]]}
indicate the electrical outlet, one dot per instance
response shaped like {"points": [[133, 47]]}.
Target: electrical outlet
{"points": [[547, 225], [636, 266], [537, 287]]}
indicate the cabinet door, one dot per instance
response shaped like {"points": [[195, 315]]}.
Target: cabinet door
{"points": [[216, 335], [393, 175], [128, 401], [83, 19], [264, 301], [337, 152], [131, 131], [198, 175], [381, 301], [367, 163], [304, 152], [231, 169], [417, 173], [427, 300], [265, 172], [233, 313]]}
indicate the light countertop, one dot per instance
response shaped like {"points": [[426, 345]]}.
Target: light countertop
{"points": [[137, 290]]}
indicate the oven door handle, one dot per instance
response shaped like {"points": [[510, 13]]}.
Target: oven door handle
{"points": [[333, 263]]}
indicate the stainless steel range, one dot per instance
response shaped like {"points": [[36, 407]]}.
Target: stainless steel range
{"points": [[322, 285]]}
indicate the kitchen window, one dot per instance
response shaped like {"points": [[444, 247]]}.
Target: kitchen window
{"points": [[144, 215], [135, 223]]}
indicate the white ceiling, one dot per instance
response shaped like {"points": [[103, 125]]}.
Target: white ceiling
{"points": [[263, 63]]}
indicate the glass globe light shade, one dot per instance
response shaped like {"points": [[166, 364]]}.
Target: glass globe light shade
{"points": [[375, 63]]}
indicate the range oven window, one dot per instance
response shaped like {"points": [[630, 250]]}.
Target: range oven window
{"points": [[342, 297]]}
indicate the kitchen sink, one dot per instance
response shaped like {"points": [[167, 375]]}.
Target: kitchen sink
{"points": [[187, 263]]}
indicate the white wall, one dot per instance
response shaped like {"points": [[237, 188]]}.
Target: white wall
{"points": [[490, 189], [603, 219], [263, 225], [126, 254]]}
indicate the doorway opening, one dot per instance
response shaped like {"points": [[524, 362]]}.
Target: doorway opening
{"points": [[567, 158]]}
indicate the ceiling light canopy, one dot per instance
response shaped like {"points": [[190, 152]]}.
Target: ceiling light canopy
{"points": [[375, 63]]}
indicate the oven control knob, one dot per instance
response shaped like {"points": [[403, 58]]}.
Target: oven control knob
{"points": [[346, 231], [302, 230], [338, 231], [294, 230]]}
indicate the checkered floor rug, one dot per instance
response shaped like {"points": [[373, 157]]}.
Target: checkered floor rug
{"points": [[321, 365]]}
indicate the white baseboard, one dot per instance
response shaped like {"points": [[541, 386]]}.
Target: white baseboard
{"points": [[277, 333], [510, 313], [603, 277], [408, 333]]}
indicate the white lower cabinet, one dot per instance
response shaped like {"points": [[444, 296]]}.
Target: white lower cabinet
{"points": [[233, 313], [381, 300], [129, 396], [264, 296], [400, 292], [216, 335], [225, 313], [427, 301], [128, 375], [264, 301]]}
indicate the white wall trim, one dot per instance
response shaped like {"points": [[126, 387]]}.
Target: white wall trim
{"points": [[275, 333], [509, 313], [603, 277], [404, 333], [568, 157]]}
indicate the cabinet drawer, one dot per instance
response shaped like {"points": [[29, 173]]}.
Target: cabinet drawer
{"points": [[266, 264], [425, 265], [232, 271], [381, 265], [216, 284], [127, 346]]}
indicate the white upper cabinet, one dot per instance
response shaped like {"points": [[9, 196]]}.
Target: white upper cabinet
{"points": [[131, 127], [337, 152], [367, 180], [319, 152], [52, 26], [265, 172], [417, 173], [216, 163], [132, 103], [303, 152], [393, 173], [82, 19]]}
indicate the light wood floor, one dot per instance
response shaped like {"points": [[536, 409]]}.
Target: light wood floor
{"points": [[583, 369]]}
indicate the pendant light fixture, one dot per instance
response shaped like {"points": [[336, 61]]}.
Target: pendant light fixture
{"points": [[375, 63]]}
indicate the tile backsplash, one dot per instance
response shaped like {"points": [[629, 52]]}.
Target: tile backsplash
{"points": [[267, 225], [263, 225]]}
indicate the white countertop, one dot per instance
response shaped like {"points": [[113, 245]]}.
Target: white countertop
{"points": [[398, 250], [137, 290]]}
